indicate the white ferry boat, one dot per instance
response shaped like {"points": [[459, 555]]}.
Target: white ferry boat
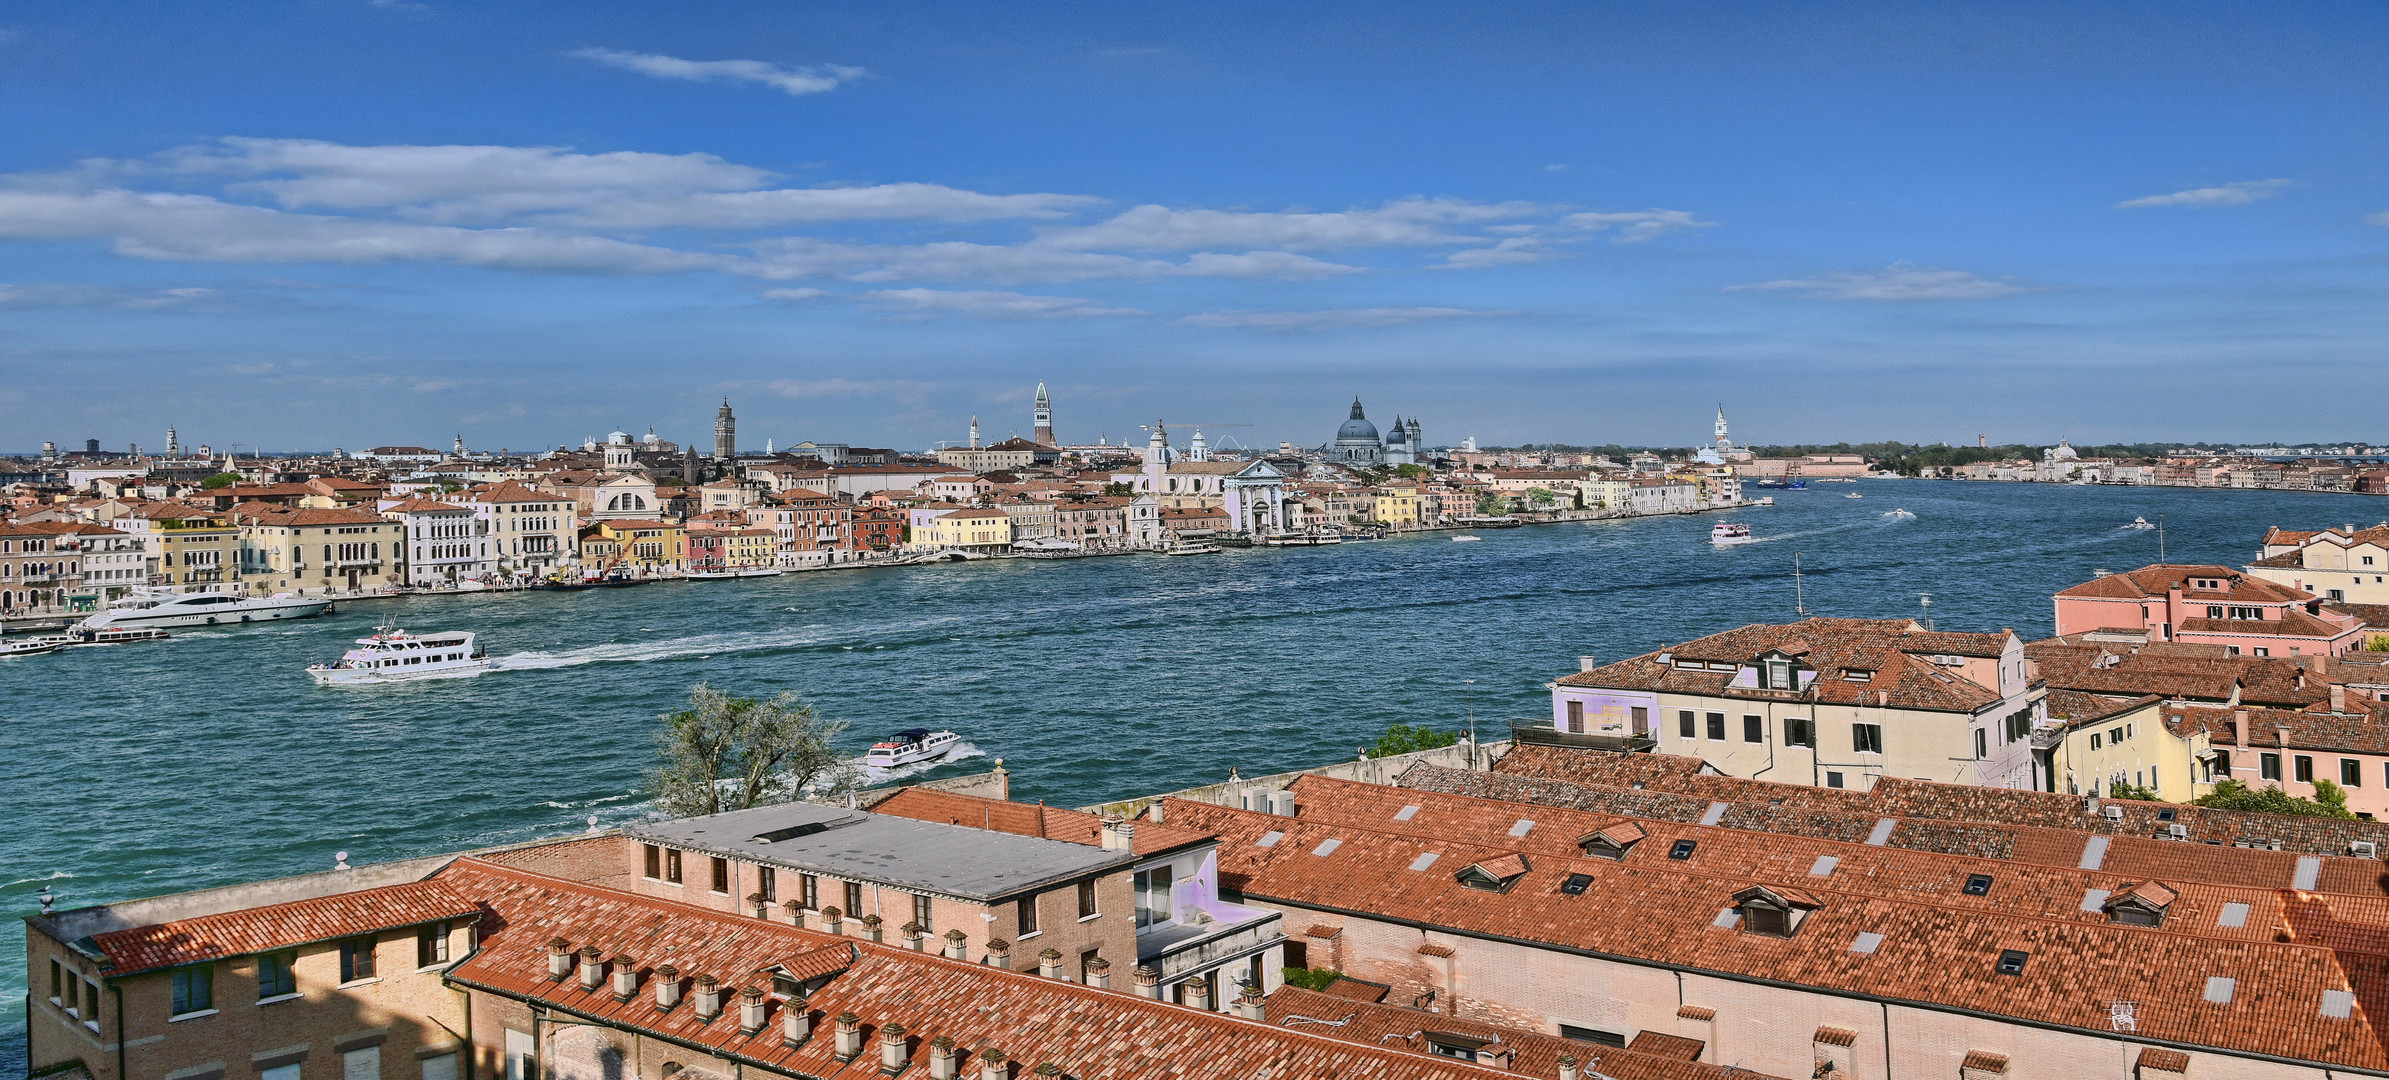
{"points": [[159, 608], [1729, 533], [908, 746], [1192, 547], [738, 572], [30, 646], [394, 655], [2140, 523], [85, 638]]}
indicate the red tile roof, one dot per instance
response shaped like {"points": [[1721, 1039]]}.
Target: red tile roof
{"points": [[1536, 1053], [280, 926], [1027, 819], [1895, 653], [1660, 1044], [2153, 582]]}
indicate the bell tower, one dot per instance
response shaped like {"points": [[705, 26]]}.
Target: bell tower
{"points": [[1044, 418], [725, 433]]}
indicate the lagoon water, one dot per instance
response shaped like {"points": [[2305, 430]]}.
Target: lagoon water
{"points": [[212, 758]]}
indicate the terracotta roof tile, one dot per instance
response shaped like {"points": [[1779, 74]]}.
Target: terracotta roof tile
{"points": [[279, 926], [1836, 1036], [1535, 1053], [1660, 1044], [1027, 819]]}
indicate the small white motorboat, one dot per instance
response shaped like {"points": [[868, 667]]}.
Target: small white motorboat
{"points": [[393, 655], [1729, 533], [31, 646], [1466, 539], [1191, 547], [2140, 523], [908, 746], [1853, 495], [1896, 514]]}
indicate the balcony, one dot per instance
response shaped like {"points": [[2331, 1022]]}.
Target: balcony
{"points": [[356, 564], [1182, 949], [1546, 735]]}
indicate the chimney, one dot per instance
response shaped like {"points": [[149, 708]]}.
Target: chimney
{"points": [[850, 1037], [626, 977], [894, 1052], [762, 906], [999, 953], [593, 967], [833, 921], [993, 1065], [2239, 728], [796, 1021], [1567, 1068], [1049, 963], [944, 1063], [1099, 973], [2339, 698], [954, 944], [1118, 833], [751, 1010], [708, 997], [1047, 1069], [1148, 982], [871, 924], [1198, 993], [2281, 737], [796, 912], [559, 959], [1586, 663], [1281, 803], [1248, 1003], [1153, 812], [667, 986], [915, 938]]}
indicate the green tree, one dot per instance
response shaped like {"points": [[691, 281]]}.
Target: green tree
{"points": [[1404, 739], [2122, 789], [2328, 801], [1118, 490], [1411, 472], [731, 753], [1312, 978], [1541, 496], [220, 480], [1492, 504]]}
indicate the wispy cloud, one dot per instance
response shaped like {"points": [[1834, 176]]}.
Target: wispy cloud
{"points": [[2239, 194], [1404, 223], [1899, 281], [901, 389], [108, 296], [1332, 319], [2381, 218], [1637, 226], [813, 79], [989, 304]]}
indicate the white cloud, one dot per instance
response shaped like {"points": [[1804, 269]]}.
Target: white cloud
{"points": [[989, 304], [1269, 264], [109, 296], [1899, 281], [794, 296], [1637, 226], [799, 81], [1331, 319], [455, 182], [1409, 222], [1516, 249], [810, 388], [2381, 218], [2239, 194]]}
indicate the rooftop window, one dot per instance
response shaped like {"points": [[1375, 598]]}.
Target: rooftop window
{"points": [[1866, 943], [1773, 912], [1682, 849], [2011, 961], [1613, 842], [1576, 884], [1978, 884], [1856, 675], [1493, 875]]}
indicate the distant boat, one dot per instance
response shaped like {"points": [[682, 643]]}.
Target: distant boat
{"points": [[158, 607], [908, 746], [1765, 500], [738, 572], [2140, 523], [1191, 547], [1729, 533], [1853, 495], [1460, 539], [1897, 514], [125, 636], [34, 645], [393, 655]]}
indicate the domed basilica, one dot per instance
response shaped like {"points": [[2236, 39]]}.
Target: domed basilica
{"points": [[1358, 444]]}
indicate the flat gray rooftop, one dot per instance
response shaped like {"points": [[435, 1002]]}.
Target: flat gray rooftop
{"points": [[920, 856]]}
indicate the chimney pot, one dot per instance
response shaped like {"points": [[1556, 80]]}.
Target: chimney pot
{"points": [[761, 906], [954, 944], [1118, 833], [2281, 737], [593, 967], [796, 1021], [559, 959], [796, 912], [1148, 982], [833, 920], [1198, 993], [1049, 963], [913, 936], [667, 986], [709, 997], [850, 1037], [1153, 812], [1248, 1003], [2339, 698], [871, 924], [943, 1063], [993, 1065], [999, 953], [895, 1052], [1049, 1069], [1567, 1068], [1586, 663], [1099, 973], [626, 977], [752, 1009]]}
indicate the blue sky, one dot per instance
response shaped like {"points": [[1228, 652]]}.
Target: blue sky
{"points": [[350, 223]]}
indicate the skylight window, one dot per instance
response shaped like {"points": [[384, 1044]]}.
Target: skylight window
{"points": [[1524, 826], [2011, 961], [1978, 884], [1716, 813], [2337, 1004], [1270, 839], [2095, 899], [1867, 942], [1327, 847], [1682, 850], [2165, 815], [1425, 860], [1576, 884], [1882, 832], [1406, 813], [2220, 988], [1824, 865], [2235, 916]]}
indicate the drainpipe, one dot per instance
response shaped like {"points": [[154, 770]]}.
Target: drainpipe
{"points": [[1887, 1070], [117, 991]]}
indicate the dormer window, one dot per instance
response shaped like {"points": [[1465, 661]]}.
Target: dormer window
{"points": [[2142, 904], [1613, 842], [1493, 875], [1777, 675], [1774, 912], [1857, 675], [1446, 1044]]}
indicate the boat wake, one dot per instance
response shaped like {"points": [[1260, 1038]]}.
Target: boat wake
{"points": [[880, 777], [638, 652]]}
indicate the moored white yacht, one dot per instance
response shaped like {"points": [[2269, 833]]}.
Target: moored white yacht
{"points": [[157, 607], [393, 655], [908, 746]]}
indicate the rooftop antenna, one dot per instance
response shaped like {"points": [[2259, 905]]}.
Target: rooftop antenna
{"points": [[2160, 539], [1926, 600], [1799, 604]]}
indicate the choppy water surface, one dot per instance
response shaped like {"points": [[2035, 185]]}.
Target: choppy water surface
{"points": [[212, 758]]}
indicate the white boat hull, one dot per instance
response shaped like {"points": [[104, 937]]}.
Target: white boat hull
{"points": [[262, 609], [1729, 541], [937, 746], [461, 669]]}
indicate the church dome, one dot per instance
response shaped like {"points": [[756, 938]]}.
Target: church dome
{"points": [[1357, 429]]}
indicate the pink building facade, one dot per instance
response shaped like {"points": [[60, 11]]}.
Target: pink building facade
{"points": [[2208, 605]]}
